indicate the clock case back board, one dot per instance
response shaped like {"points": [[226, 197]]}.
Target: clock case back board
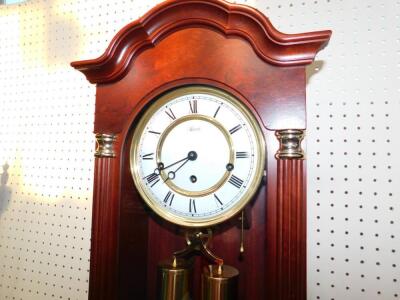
{"points": [[231, 47]]}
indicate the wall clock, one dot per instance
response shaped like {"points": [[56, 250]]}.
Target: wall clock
{"points": [[197, 156], [190, 85]]}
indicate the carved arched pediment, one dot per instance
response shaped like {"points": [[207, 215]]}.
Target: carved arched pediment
{"points": [[271, 45]]}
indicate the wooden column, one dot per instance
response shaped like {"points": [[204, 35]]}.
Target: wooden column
{"points": [[291, 228], [105, 214], [286, 220]]}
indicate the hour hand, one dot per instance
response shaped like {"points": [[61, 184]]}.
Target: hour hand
{"points": [[152, 178], [171, 174]]}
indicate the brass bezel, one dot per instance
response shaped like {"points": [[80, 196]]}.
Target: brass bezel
{"points": [[246, 197]]}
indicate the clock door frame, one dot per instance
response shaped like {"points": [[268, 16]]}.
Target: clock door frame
{"points": [[234, 48]]}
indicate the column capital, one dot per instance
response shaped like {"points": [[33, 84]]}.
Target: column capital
{"points": [[290, 144], [105, 145]]}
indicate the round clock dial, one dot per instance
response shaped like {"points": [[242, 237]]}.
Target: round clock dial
{"points": [[197, 156]]}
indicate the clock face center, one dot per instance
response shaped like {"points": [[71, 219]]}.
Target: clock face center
{"points": [[192, 155], [207, 148]]}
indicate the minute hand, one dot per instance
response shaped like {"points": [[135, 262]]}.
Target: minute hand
{"points": [[160, 167], [173, 164], [192, 155]]}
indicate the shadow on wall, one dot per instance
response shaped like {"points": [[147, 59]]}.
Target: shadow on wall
{"points": [[5, 191], [63, 44], [313, 69], [52, 37]]}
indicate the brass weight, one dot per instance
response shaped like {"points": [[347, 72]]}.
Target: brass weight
{"points": [[219, 282], [173, 280]]}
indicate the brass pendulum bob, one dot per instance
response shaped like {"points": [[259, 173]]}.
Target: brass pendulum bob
{"points": [[173, 280], [219, 282]]}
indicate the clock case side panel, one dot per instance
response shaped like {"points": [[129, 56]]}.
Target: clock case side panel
{"points": [[119, 233]]}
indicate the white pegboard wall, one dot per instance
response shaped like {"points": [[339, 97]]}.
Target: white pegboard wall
{"points": [[47, 143]]}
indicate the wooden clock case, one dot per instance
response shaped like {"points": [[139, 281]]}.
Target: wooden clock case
{"points": [[232, 47]]}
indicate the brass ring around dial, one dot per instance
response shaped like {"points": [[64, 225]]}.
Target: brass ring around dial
{"points": [[163, 174]]}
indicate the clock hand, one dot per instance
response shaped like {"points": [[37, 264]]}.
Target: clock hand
{"points": [[173, 164], [181, 166], [171, 174], [192, 155], [160, 167]]}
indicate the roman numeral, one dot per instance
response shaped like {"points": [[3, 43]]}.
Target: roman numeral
{"points": [[193, 106], [170, 196], [192, 206], [242, 154], [217, 200], [216, 112], [154, 132], [152, 179], [234, 129], [235, 181], [149, 156], [170, 114]]}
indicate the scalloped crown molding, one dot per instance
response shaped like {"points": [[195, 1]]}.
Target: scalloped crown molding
{"points": [[271, 45]]}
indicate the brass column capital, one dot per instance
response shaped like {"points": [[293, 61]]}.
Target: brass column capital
{"points": [[105, 145], [290, 144]]}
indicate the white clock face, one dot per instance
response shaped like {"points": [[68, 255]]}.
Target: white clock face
{"points": [[197, 156]]}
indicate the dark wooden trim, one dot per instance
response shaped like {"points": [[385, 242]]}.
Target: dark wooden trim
{"points": [[103, 278], [271, 45], [288, 243]]}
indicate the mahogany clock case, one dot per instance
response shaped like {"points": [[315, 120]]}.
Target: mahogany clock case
{"points": [[231, 47]]}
